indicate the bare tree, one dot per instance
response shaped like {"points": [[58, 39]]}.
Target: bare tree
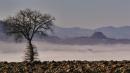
{"points": [[25, 24]]}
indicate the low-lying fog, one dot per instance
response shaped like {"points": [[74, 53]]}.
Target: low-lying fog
{"points": [[15, 52]]}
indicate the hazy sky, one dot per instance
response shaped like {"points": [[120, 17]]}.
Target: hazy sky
{"points": [[75, 13]]}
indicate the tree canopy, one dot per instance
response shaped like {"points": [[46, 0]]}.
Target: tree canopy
{"points": [[25, 24]]}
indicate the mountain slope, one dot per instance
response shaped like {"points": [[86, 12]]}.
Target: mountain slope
{"points": [[96, 38], [111, 32], [116, 32], [71, 32], [67, 33], [2, 34]]}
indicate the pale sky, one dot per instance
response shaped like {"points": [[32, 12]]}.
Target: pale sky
{"points": [[75, 13]]}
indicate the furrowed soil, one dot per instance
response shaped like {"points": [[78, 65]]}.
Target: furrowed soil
{"points": [[66, 67]]}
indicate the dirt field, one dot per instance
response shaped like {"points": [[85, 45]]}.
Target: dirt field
{"points": [[66, 67]]}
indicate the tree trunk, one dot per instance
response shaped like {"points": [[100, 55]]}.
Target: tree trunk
{"points": [[31, 48], [31, 52], [30, 55]]}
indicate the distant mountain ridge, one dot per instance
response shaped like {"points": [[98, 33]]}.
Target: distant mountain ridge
{"points": [[77, 35], [110, 31], [98, 35], [96, 38], [2, 34], [116, 32]]}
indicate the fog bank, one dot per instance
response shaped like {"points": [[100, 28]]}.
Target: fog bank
{"points": [[47, 52]]}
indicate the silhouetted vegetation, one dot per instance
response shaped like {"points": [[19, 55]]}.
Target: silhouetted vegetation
{"points": [[66, 67], [24, 25]]}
